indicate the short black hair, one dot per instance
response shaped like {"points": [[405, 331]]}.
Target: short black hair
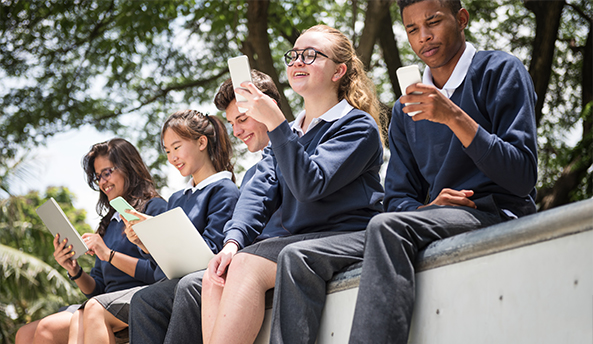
{"points": [[453, 5]]}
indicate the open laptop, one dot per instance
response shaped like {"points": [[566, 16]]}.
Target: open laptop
{"points": [[56, 221], [174, 243]]}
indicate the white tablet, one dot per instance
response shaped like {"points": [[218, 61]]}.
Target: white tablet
{"points": [[56, 221], [174, 243]]}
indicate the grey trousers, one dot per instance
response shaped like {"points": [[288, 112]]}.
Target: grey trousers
{"points": [[386, 292], [168, 311]]}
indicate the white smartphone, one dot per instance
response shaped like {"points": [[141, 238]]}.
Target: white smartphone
{"points": [[240, 72], [120, 204], [407, 76]]}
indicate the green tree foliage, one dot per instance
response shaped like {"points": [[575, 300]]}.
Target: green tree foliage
{"points": [[33, 283], [125, 65]]}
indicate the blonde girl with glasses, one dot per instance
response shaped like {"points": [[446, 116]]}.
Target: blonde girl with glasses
{"points": [[321, 171], [114, 168]]}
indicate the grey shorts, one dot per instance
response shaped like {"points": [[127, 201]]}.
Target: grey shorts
{"points": [[117, 302], [270, 248]]}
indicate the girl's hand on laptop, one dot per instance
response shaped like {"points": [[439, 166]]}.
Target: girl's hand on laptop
{"points": [[133, 237]]}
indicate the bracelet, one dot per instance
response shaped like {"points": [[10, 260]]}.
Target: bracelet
{"points": [[75, 277], [111, 256]]}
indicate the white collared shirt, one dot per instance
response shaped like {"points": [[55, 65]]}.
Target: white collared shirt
{"points": [[458, 74], [338, 111], [213, 178]]}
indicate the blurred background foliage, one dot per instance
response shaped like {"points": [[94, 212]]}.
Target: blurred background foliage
{"points": [[33, 283]]}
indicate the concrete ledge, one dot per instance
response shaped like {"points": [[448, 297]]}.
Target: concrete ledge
{"points": [[551, 224]]}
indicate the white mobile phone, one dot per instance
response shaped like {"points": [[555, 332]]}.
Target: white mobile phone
{"points": [[407, 76], [240, 72]]}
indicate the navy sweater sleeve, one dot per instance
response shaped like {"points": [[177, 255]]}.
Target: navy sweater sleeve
{"points": [[504, 148], [405, 187], [97, 274], [334, 164], [220, 209], [258, 200]]}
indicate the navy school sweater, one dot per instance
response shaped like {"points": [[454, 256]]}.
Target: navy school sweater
{"points": [[326, 180], [107, 277], [274, 225], [501, 160]]}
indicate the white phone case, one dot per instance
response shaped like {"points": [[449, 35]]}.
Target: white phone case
{"points": [[240, 72], [407, 76]]}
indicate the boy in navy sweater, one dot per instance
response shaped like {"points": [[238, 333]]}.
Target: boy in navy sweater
{"points": [[471, 151], [152, 319]]}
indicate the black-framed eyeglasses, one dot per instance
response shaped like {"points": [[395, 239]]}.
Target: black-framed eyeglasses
{"points": [[105, 174], [308, 56]]}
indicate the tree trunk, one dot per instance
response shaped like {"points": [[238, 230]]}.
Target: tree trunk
{"points": [[391, 57], [376, 11], [257, 47], [582, 159], [547, 18], [388, 44], [377, 26]]}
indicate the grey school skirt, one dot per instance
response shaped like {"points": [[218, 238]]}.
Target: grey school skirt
{"points": [[270, 248], [117, 302]]}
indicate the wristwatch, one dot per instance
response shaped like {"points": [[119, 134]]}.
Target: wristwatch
{"points": [[77, 276]]}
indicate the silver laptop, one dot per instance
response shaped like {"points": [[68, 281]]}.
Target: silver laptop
{"points": [[56, 221], [174, 243]]}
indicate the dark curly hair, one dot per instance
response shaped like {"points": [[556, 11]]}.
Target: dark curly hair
{"points": [[138, 184]]}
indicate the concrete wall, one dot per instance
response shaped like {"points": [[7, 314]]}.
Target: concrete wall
{"points": [[525, 281]]}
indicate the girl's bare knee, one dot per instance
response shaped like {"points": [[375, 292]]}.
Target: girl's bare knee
{"points": [[92, 310]]}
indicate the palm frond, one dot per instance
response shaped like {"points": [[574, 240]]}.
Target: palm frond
{"points": [[25, 277]]}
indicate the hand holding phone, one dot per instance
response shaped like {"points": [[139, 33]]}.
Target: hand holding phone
{"points": [[240, 72], [120, 204], [407, 76]]}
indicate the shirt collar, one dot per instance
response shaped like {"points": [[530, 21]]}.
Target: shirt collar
{"points": [[338, 111], [116, 217], [213, 178], [458, 74]]}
